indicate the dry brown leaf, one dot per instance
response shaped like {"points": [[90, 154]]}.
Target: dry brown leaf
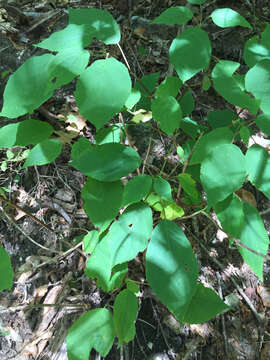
{"points": [[264, 293], [247, 196]]}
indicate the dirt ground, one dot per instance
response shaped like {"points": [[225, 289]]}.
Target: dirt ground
{"points": [[31, 330]]}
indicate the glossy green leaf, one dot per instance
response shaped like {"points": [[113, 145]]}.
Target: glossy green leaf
{"points": [[227, 17], [28, 87], [44, 153], [93, 329], [66, 65], [187, 103], [258, 168], [71, 38], [102, 90], [136, 189], [107, 162], [189, 186], [223, 172], [109, 134], [196, 2], [230, 214], [102, 201], [190, 53], [6, 271], [168, 209], [206, 144], [133, 99], [106, 28], [125, 310], [163, 188], [146, 86], [90, 241], [125, 238], [132, 286], [175, 15], [169, 87], [263, 122], [27, 132], [227, 85], [254, 236], [190, 127], [79, 147], [167, 112], [258, 83], [245, 134], [171, 267], [258, 47], [205, 304], [220, 118]]}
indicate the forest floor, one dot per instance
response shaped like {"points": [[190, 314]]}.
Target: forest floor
{"points": [[51, 193]]}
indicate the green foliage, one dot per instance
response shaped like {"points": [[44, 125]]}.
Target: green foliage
{"points": [[215, 160]]}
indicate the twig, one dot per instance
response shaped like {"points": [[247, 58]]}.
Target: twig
{"points": [[147, 154], [222, 318], [26, 213], [36, 306], [27, 236]]}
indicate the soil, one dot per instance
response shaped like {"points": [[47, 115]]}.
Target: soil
{"points": [[31, 330]]}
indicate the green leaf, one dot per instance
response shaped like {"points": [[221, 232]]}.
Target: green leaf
{"points": [[169, 87], [125, 238], [136, 189], [190, 127], [132, 286], [106, 28], [27, 132], [90, 241], [253, 235], [28, 87], [196, 2], [263, 122], [125, 310], [258, 168], [190, 53], [109, 85], [189, 186], [187, 103], [258, 47], [258, 83], [205, 304], [206, 144], [220, 118], [167, 112], [177, 15], [171, 267], [93, 329], [163, 188], [227, 85], [102, 201], [245, 134], [133, 98], [168, 209], [230, 214], [72, 38], [6, 278], [44, 153], [107, 162], [147, 82], [227, 17], [66, 65], [223, 172], [206, 84], [111, 134], [80, 147]]}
